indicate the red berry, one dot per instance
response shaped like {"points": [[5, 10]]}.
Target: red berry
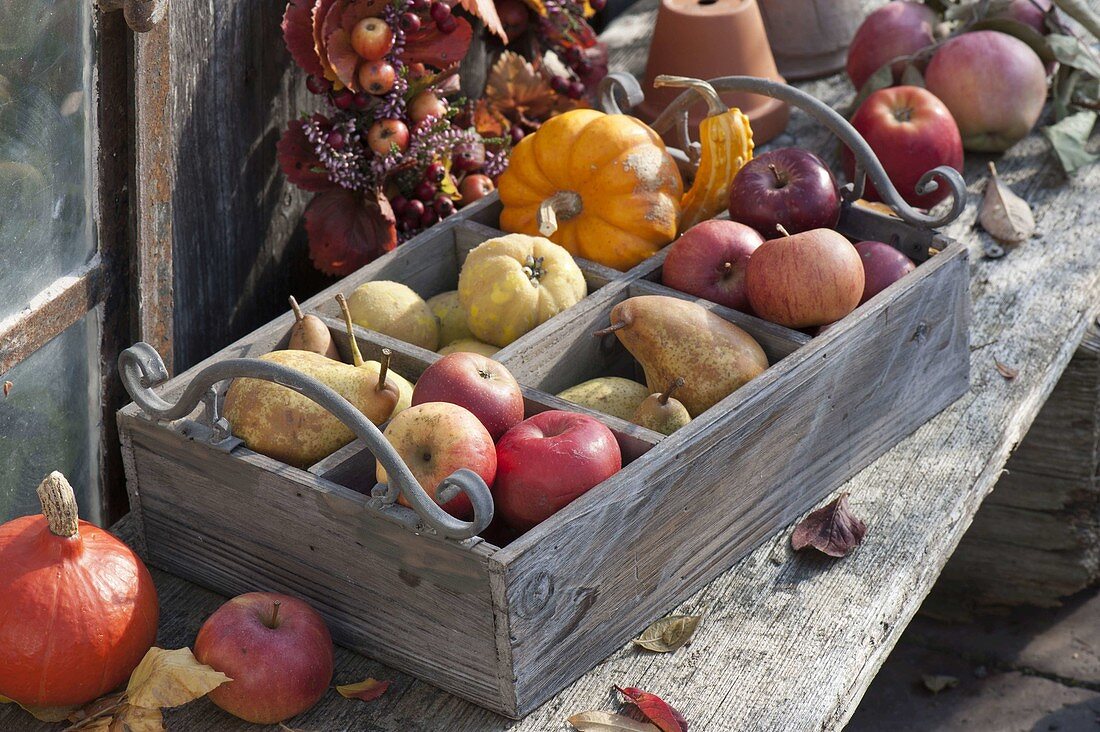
{"points": [[514, 16], [419, 6], [576, 90], [597, 5], [318, 84], [409, 22], [343, 99], [583, 68], [429, 217], [398, 203], [372, 38], [435, 173], [377, 77], [517, 134], [448, 25], [560, 84], [335, 140], [413, 210], [439, 11], [361, 101], [469, 156], [426, 191], [444, 207]]}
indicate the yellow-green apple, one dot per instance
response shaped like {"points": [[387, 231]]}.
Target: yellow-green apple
{"points": [[477, 383], [547, 460], [790, 187], [435, 439], [709, 261], [277, 651], [806, 279], [896, 29], [994, 85], [911, 132], [882, 266]]}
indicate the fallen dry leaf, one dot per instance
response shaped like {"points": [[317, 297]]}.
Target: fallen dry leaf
{"points": [[655, 709], [1006, 216], [832, 530], [937, 683], [1005, 370], [137, 719], [668, 634], [171, 678], [43, 714], [7, 390], [366, 690], [608, 722]]}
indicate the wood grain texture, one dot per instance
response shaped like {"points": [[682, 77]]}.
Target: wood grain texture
{"points": [[810, 38]]}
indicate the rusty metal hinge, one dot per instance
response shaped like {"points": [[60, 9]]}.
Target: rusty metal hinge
{"points": [[141, 15]]}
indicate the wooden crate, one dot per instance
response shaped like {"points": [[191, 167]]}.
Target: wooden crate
{"points": [[507, 627]]}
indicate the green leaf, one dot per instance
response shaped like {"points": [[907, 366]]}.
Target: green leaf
{"points": [[1025, 33], [1069, 51], [1080, 11], [883, 78], [969, 11], [1068, 139], [912, 76]]}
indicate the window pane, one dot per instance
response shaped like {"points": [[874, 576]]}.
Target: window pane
{"points": [[45, 67], [48, 422]]}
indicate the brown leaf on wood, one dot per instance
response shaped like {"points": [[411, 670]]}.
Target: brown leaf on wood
{"points": [[832, 530], [8, 386], [608, 722], [517, 90], [1006, 216], [668, 634], [137, 719], [366, 690], [937, 683], [1005, 370], [171, 678]]}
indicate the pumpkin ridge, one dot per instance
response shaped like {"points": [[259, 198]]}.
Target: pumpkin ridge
{"points": [[51, 638]]}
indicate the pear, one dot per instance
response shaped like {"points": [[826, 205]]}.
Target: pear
{"points": [[380, 368], [612, 395], [309, 333], [670, 336], [661, 413], [469, 345], [394, 309], [451, 316], [285, 425]]}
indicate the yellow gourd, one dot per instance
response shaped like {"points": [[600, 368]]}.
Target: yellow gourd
{"points": [[725, 139], [602, 186]]}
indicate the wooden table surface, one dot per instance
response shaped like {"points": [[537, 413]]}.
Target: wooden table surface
{"points": [[791, 642]]}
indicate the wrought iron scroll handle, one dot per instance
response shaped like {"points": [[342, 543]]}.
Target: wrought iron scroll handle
{"points": [[142, 369], [618, 86], [141, 15]]}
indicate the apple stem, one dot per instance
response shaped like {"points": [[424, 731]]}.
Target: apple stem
{"points": [[383, 369], [676, 384], [727, 267], [274, 622], [298, 316], [782, 230], [356, 357], [778, 176], [610, 329]]}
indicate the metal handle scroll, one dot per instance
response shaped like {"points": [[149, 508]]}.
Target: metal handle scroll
{"points": [[142, 369], [619, 85]]}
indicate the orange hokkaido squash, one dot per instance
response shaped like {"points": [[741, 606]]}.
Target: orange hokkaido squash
{"points": [[78, 609], [603, 186]]}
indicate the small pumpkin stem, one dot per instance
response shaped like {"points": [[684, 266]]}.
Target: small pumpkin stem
{"points": [[383, 369], [563, 205], [715, 105], [356, 357], [676, 384], [59, 505], [298, 316], [782, 230], [610, 329]]}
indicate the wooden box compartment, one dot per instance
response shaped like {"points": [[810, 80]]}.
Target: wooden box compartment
{"points": [[508, 626]]}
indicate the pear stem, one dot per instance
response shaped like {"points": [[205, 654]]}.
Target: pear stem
{"points": [[383, 369], [676, 384], [782, 230], [356, 357], [297, 310], [610, 329], [274, 621]]}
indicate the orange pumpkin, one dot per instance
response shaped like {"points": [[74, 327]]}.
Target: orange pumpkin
{"points": [[78, 609], [601, 185]]}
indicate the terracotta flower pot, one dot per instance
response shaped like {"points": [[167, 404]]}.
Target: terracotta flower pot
{"points": [[705, 39], [804, 55]]}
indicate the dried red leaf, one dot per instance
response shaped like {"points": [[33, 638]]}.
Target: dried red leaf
{"points": [[487, 11], [8, 386], [298, 160], [655, 709], [832, 530], [366, 690], [1005, 370], [342, 57], [347, 230], [320, 15], [433, 47], [298, 35]]}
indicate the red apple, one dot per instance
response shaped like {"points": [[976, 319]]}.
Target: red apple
{"points": [[477, 383], [911, 132], [435, 439], [276, 649], [896, 29], [377, 77], [709, 261], [548, 460], [882, 266], [1031, 13], [994, 85], [372, 38], [806, 279], [475, 187], [791, 187], [387, 132]]}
